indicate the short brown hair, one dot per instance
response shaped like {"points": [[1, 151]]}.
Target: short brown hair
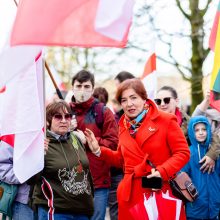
{"points": [[101, 94], [54, 108], [135, 84]]}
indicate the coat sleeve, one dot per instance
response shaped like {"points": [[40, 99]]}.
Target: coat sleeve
{"points": [[109, 137], [214, 149], [6, 165], [113, 158], [179, 149], [187, 169]]}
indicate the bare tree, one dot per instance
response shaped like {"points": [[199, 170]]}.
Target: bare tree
{"points": [[193, 31]]}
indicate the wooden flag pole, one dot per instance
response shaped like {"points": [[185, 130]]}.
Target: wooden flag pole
{"points": [[54, 82]]}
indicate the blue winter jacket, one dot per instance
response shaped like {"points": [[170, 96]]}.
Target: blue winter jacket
{"points": [[207, 205]]}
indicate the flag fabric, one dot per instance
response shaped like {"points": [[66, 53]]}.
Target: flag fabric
{"points": [[158, 206], [212, 38], [73, 23], [22, 119], [149, 77], [215, 100], [14, 60], [215, 75]]}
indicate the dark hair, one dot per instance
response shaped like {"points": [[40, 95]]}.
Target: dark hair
{"points": [[55, 107], [135, 84], [84, 76], [123, 75], [171, 90], [101, 94]]}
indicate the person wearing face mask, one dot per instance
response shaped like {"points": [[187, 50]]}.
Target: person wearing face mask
{"points": [[167, 101], [87, 111]]}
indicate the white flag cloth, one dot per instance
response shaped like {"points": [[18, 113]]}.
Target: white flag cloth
{"points": [[22, 116], [112, 21], [149, 77], [14, 60]]}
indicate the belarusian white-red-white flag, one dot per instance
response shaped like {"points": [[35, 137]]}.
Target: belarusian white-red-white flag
{"points": [[84, 23], [22, 119], [14, 60], [149, 77]]}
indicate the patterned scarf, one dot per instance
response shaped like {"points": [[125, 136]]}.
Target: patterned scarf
{"points": [[134, 124]]}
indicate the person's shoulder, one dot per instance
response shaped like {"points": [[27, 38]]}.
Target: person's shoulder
{"points": [[166, 115]]}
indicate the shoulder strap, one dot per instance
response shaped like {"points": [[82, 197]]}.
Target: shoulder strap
{"points": [[98, 111]]}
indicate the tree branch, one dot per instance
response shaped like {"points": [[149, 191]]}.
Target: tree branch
{"points": [[181, 9], [203, 11]]}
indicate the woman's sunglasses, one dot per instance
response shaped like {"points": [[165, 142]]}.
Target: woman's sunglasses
{"points": [[166, 100], [59, 117]]}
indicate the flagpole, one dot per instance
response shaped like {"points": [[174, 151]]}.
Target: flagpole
{"points": [[50, 74], [16, 3], [44, 97], [54, 82]]}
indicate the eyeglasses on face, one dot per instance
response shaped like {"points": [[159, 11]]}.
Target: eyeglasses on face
{"points": [[59, 117], [166, 100]]}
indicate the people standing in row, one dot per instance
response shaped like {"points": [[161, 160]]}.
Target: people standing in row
{"points": [[144, 133], [92, 114], [64, 188]]}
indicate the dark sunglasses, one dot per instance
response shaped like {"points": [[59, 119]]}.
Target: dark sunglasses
{"points": [[166, 100], [59, 117]]}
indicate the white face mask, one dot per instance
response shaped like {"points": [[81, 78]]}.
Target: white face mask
{"points": [[82, 96]]}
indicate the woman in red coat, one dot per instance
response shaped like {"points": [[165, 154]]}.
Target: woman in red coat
{"points": [[145, 134]]}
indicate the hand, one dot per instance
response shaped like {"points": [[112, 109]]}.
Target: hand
{"points": [[154, 173], [207, 96], [208, 164], [73, 124], [92, 142], [46, 143], [205, 103], [80, 135]]}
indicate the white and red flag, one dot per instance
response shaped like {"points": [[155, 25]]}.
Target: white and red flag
{"points": [[22, 118], [84, 23], [149, 77]]}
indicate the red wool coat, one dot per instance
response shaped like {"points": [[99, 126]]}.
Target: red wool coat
{"points": [[160, 140]]}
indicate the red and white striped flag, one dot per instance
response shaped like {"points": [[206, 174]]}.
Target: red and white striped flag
{"points": [[83, 23], [22, 119], [149, 77]]}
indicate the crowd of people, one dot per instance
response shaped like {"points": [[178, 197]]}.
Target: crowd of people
{"points": [[96, 158]]}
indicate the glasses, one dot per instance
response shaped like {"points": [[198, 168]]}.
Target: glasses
{"points": [[59, 117], [166, 100]]}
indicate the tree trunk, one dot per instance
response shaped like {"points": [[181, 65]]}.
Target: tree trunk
{"points": [[197, 37]]}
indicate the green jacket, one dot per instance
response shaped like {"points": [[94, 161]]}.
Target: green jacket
{"points": [[69, 179]]}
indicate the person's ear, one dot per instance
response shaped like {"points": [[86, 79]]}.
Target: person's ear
{"points": [[177, 102]]}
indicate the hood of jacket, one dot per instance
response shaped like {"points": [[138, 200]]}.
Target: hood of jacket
{"points": [[191, 133]]}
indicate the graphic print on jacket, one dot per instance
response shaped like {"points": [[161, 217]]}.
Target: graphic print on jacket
{"points": [[74, 182]]}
